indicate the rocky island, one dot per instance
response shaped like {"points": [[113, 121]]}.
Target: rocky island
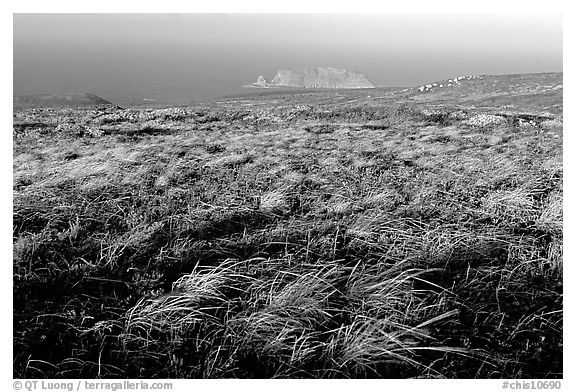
{"points": [[315, 77]]}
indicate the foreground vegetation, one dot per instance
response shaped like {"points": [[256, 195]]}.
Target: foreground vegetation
{"points": [[305, 236]]}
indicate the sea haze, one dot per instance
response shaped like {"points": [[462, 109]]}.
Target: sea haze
{"points": [[138, 75], [177, 59]]}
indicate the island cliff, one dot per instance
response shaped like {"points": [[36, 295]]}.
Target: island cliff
{"points": [[316, 77]]}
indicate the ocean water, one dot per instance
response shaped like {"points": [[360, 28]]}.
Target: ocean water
{"points": [[135, 75], [161, 87], [170, 93]]}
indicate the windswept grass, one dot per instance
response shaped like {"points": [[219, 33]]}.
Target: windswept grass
{"points": [[269, 318], [336, 239]]}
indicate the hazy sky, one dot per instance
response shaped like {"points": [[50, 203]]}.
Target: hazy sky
{"points": [[182, 57]]}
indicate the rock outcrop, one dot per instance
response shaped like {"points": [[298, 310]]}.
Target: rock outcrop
{"points": [[261, 82], [316, 77]]}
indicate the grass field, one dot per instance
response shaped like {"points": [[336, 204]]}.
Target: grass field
{"points": [[369, 233]]}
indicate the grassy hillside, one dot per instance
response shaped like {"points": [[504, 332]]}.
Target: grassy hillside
{"points": [[381, 233], [72, 100]]}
